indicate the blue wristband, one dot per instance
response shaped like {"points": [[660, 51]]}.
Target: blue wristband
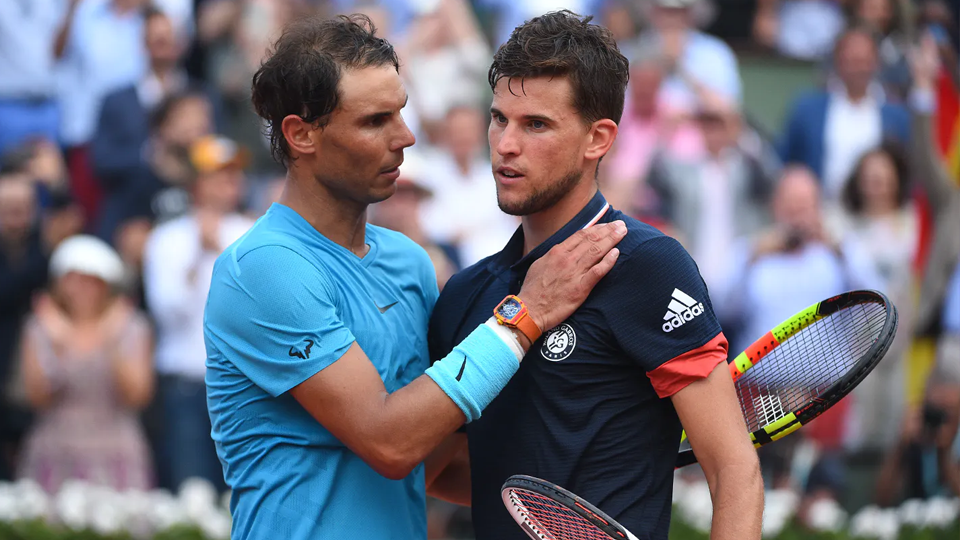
{"points": [[475, 371]]}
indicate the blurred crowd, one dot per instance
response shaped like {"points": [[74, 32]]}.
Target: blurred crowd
{"points": [[130, 157]]}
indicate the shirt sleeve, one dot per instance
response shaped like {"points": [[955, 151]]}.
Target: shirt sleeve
{"points": [[662, 317], [275, 317]]}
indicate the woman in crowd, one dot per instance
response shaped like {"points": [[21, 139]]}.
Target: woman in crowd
{"points": [[87, 370], [878, 213]]}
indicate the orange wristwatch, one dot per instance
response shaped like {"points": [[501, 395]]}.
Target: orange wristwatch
{"points": [[512, 312]]}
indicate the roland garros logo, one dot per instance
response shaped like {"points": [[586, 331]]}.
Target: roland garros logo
{"points": [[559, 343]]}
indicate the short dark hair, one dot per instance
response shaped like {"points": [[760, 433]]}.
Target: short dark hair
{"points": [[562, 43], [853, 198], [302, 74]]}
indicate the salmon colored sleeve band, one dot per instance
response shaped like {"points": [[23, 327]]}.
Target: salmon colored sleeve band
{"points": [[675, 374]]}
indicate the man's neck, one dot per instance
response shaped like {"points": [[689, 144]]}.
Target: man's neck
{"points": [[856, 95], [344, 222], [537, 228], [464, 164], [164, 73]]}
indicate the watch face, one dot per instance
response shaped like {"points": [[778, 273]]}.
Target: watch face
{"points": [[509, 309]]}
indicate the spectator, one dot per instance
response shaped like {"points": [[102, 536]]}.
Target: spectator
{"points": [[463, 211], [828, 130], [796, 250], [156, 192], [877, 212], [928, 427], [124, 125], [510, 14], [941, 190], [690, 55], [401, 213], [27, 83], [804, 29], [87, 369], [41, 161], [23, 271], [178, 264], [888, 19], [234, 35], [99, 49], [444, 44], [649, 126], [714, 200]]}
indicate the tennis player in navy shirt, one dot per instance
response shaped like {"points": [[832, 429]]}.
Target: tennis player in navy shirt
{"points": [[322, 397], [599, 399]]}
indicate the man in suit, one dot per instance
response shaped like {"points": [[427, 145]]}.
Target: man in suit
{"points": [[829, 129], [124, 125]]}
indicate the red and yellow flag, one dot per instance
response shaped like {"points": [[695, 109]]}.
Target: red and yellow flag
{"points": [[947, 126]]}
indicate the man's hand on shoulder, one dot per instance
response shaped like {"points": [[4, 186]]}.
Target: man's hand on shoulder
{"points": [[560, 281]]}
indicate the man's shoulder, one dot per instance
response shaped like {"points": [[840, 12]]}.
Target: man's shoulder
{"points": [[264, 254], [639, 234]]}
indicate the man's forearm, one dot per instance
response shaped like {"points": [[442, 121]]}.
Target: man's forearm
{"points": [[737, 494]]}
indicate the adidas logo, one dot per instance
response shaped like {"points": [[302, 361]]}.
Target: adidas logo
{"points": [[682, 309]]}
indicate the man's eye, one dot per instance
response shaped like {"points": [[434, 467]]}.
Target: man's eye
{"points": [[537, 124]]}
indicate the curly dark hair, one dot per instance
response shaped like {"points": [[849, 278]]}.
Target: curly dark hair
{"points": [[562, 43], [853, 198], [301, 75]]}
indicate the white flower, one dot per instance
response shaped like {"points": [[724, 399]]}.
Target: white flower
{"points": [[31, 500], [106, 519], [8, 504], [135, 507], [70, 504], [781, 501], [697, 506], [773, 523], [216, 525], [198, 498], [939, 512], [872, 522], [912, 512], [826, 515], [225, 500], [166, 511]]}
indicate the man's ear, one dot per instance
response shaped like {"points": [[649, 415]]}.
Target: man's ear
{"points": [[602, 134], [299, 134]]}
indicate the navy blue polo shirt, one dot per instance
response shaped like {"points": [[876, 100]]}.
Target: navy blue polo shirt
{"points": [[589, 408]]}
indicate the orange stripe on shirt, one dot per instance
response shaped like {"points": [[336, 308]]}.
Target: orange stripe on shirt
{"points": [[675, 374]]}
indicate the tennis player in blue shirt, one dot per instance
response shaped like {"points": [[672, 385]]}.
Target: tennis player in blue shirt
{"points": [[322, 403]]}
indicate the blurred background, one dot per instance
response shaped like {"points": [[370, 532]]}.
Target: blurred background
{"points": [[797, 148]]}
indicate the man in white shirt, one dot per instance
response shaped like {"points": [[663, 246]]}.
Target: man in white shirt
{"points": [[178, 265], [691, 55], [829, 129], [789, 266], [463, 211]]}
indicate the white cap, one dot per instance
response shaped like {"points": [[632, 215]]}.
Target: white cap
{"points": [[87, 255]]}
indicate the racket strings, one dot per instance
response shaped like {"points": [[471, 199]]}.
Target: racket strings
{"points": [[552, 520], [808, 364]]}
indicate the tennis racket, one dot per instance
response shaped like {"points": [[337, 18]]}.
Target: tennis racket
{"points": [[546, 511], [807, 364], [784, 380]]}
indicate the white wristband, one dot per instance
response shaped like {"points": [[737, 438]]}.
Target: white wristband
{"points": [[507, 336]]}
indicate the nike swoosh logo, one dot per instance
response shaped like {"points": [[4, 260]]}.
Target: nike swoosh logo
{"points": [[459, 375], [385, 308]]}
